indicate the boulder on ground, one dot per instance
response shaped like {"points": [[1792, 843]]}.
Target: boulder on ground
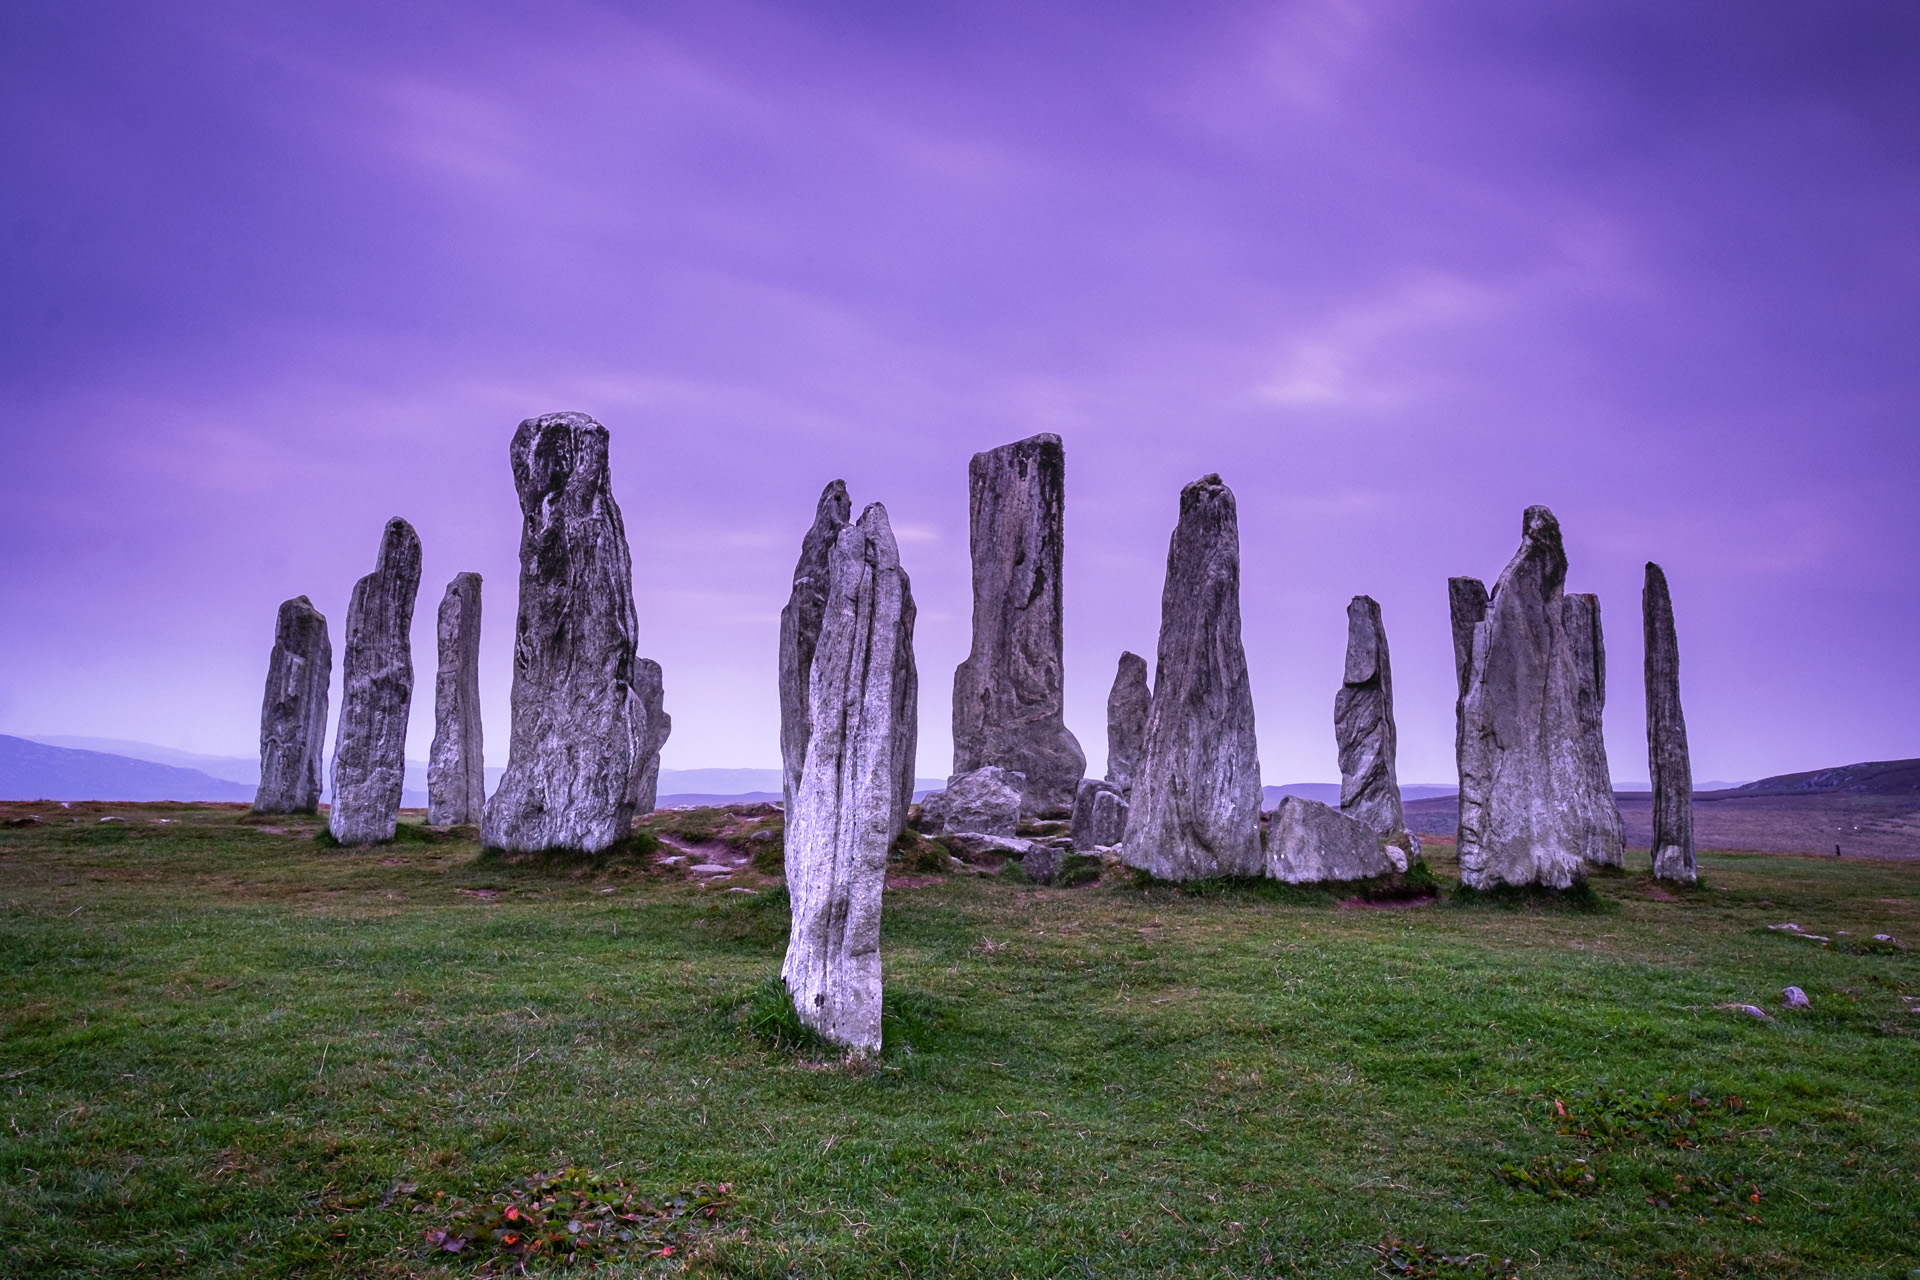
{"points": [[1309, 842], [1099, 815], [986, 801]]}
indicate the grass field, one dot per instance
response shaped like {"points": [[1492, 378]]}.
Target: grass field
{"points": [[226, 1051]]}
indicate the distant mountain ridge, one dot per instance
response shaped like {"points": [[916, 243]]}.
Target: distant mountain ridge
{"points": [[1872, 777], [35, 771]]}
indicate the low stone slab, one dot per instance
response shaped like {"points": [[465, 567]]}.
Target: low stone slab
{"points": [[984, 800], [1310, 843]]}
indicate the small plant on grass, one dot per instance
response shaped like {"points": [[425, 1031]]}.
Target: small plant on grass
{"points": [[1553, 1178], [574, 1216], [1075, 870], [915, 853], [1608, 1117], [773, 1021], [1422, 1262], [1702, 1197]]}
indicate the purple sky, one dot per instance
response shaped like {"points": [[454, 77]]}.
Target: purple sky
{"points": [[270, 274]]}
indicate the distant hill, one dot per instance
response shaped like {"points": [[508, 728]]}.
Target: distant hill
{"points": [[35, 771], [1873, 778], [1329, 792]]}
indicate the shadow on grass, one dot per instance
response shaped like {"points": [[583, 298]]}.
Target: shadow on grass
{"points": [[1582, 898], [635, 848], [911, 1022]]}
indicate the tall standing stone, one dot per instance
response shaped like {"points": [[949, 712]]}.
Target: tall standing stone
{"points": [[1127, 707], [1007, 695], [376, 671], [1195, 809], [1523, 771], [1667, 757], [1363, 725], [1605, 834], [456, 765], [580, 729], [800, 630], [649, 683], [293, 715], [842, 821]]}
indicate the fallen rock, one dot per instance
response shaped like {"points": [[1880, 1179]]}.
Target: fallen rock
{"points": [[376, 669], [1007, 696], [1099, 815], [1309, 843], [1668, 760], [578, 746], [980, 843], [986, 800], [293, 714], [1127, 705], [1363, 725], [844, 812], [456, 765], [1041, 864], [1795, 998], [1751, 1010], [1195, 809]]}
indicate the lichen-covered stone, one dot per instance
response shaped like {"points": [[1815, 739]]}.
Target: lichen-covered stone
{"points": [[648, 683], [376, 672], [1099, 816], [1195, 809], [580, 730], [1524, 775], [800, 628], [1127, 706], [1008, 709], [1363, 725], [842, 822], [1667, 757], [1604, 834], [456, 764], [1309, 842], [986, 801], [293, 714]]}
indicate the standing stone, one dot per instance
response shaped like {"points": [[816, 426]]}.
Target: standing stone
{"points": [[376, 672], [648, 683], [800, 630], [1605, 833], [841, 824], [293, 715], [1466, 608], [1195, 809], [1309, 842], [1667, 758], [1007, 695], [1127, 707], [1523, 772], [580, 726], [1363, 725], [456, 766], [1099, 816]]}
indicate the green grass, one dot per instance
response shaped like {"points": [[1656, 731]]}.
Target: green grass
{"points": [[227, 1051]]}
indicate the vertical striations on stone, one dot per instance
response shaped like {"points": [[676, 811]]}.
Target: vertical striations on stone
{"points": [[1363, 725], [1007, 695], [293, 714], [800, 629], [376, 675], [1195, 809], [649, 685], [1604, 833], [1466, 609], [1127, 706], [841, 824], [1522, 770], [578, 748], [456, 765], [1667, 757]]}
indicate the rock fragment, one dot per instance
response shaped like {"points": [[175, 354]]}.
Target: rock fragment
{"points": [[842, 822], [1524, 777], [293, 714], [648, 684], [1099, 816], [456, 765], [1127, 706], [1604, 833], [1007, 696], [986, 801], [1795, 998], [1667, 758], [376, 670], [1309, 842], [578, 747], [1195, 809], [1363, 725]]}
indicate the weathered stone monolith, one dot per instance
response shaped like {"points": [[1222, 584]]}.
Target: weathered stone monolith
{"points": [[293, 715], [1667, 758], [1522, 770], [376, 675], [1127, 706], [800, 629], [648, 682], [1309, 842], [580, 731], [456, 766], [1195, 809], [1605, 834], [1363, 725], [1007, 695], [841, 824]]}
